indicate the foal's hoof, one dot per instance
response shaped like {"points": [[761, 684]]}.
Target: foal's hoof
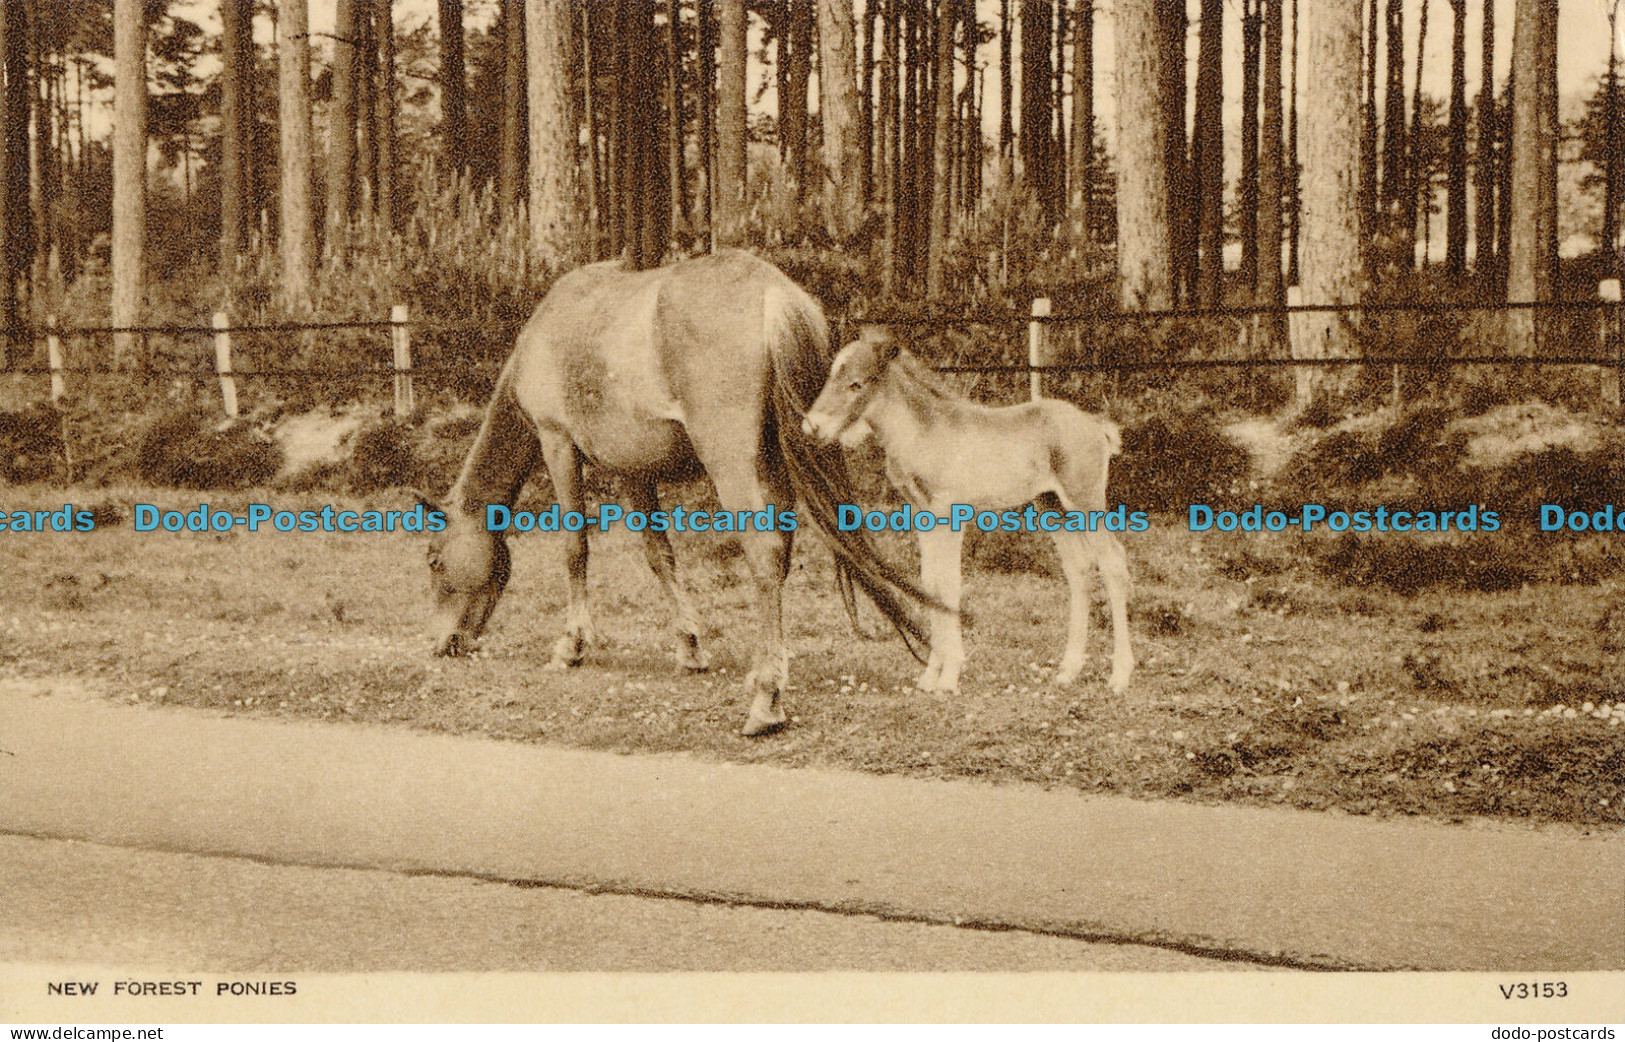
{"points": [[761, 723]]}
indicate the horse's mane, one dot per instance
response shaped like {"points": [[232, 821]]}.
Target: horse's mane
{"points": [[927, 378]]}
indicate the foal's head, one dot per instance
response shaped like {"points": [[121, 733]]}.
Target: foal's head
{"points": [[855, 379], [468, 569]]}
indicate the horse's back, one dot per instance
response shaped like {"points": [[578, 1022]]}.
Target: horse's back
{"points": [[1078, 428], [616, 356]]}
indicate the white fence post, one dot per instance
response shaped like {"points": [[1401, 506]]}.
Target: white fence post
{"points": [[1035, 346], [222, 362], [1608, 289], [400, 339], [53, 349]]}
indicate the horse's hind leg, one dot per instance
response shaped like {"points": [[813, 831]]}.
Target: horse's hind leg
{"points": [[657, 550], [768, 554], [1075, 565], [564, 468]]}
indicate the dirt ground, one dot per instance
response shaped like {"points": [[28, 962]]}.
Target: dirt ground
{"points": [[1261, 679]]}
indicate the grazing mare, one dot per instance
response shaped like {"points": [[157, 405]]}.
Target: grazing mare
{"points": [[646, 373], [942, 450]]}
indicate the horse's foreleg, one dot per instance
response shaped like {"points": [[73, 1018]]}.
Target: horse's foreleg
{"points": [[1075, 565], [564, 468], [940, 575], [768, 554], [1114, 572], [657, 551]]}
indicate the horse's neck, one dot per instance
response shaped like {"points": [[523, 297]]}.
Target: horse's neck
{"points": [[503, 456], [908, 413]]}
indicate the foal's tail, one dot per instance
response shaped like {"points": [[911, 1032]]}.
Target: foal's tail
{"points": [[798, 344]]}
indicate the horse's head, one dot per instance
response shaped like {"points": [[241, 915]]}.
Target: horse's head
{"points": [[468, 569], [854, 380]]}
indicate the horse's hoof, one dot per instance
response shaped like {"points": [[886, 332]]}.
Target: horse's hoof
{"points": [[1065, 677], [1118, 682], [764, 723], [568, 651], [691, 659]]}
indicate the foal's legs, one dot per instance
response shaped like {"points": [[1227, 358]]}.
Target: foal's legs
{"points": [[657, 550], [1076, 562], [564, 468], [940, 577], [1108, 553]]}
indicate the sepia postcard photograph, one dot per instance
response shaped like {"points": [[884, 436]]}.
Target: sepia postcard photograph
{"points": [[911, 511]]}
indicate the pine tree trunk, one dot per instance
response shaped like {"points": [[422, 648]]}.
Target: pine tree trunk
{"points": [[1144, 260], [1550, 133], [838, 106], [1270, 289], [1610, 180], [1171, 22], [1417, 186], [129, 172], [511, 165], [1503, 185], [1247, 188], [341, 150], [453, 89], [366, 102], [1007, 131], [1331, 166], [1081, 175], [20, 233], [293, 113], [1037, 79], [235, 67], [1294, 209], [1528, 276], [1456, 207], [8, 266], [1207, 155], [941, 141], [867, 118], [730, 196], [1392, 190], [705, 75], [1368, 136], [890, 160], [677, 166], [385, 112], [800, 36], [1484, 164], [38, 176], [555, 211]]}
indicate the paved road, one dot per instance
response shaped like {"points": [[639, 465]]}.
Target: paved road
{"points": [[1255, 884], [81, 903]]}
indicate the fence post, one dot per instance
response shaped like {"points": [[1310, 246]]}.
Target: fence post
{"points": [[1035, 346], [222, 362], [1608, 289], [400, 340], [53, 349]]}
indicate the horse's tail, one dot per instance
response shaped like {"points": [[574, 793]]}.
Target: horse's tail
{"points": [[1114, 437], [798, 344]]}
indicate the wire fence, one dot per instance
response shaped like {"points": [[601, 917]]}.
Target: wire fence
{"points": [[1097, 344]]}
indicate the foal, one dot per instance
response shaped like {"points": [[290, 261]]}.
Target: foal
{"points": [[943, 450]]}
